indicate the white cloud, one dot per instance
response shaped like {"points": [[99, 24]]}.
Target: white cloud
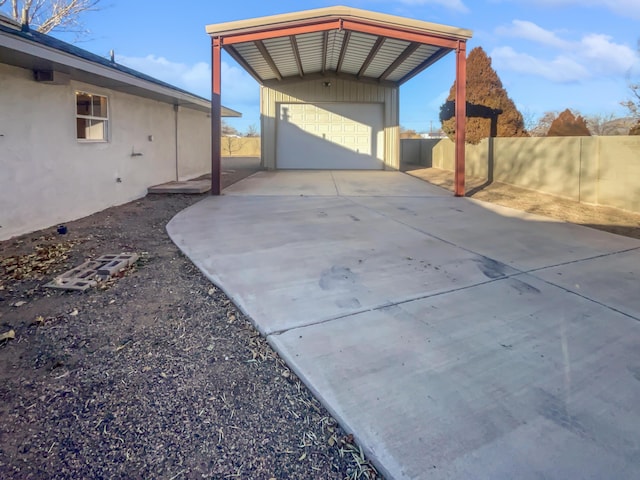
{"points": [[561, 69], [457, 5], [594, 55], [237, 86], [624, 8], [531, 31]]}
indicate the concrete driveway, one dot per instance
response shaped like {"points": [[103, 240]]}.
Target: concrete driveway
{"points": [[454, 338]]}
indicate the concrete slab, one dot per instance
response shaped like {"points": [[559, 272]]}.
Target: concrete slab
{"points": [[332, 183], [187, 186], [414, 320], [352, 183], [519, 239], [292, 182], [320, 258], [512, 379], [609, 279]]}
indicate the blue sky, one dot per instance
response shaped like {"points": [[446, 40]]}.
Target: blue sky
{"points": [[550, 54]]}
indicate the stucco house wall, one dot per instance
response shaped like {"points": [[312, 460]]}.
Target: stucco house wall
{"points": [[49, 177], [341, 90]]}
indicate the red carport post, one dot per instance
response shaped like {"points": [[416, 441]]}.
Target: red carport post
{"points": [[216, 116], [461, 112]]}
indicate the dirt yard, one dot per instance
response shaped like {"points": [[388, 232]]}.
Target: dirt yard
{"points": [[154, 374], [608, 219]]}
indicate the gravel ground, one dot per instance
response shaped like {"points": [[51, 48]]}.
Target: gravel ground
{"points": [[154, 374]]}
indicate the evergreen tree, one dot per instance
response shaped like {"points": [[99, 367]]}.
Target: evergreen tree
{"points": [[487, 102], [568, 125]]}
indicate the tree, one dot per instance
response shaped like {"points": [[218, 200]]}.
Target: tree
{"points": [[408, 133], [568, 125], [252, 131], [488, 103], [48, 15], [229, 131], [544, 124]]}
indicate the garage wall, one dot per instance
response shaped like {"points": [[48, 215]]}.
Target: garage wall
{"points": [[341, 90]]}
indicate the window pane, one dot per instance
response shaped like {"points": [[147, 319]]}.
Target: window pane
{"points": [[96, 130], [99, 106], [83, 103], [82, 124]]}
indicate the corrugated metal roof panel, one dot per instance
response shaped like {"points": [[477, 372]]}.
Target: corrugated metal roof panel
{"points": [[360, 44], [336, 37], [282, 55], [310, 48], [254, 58], [420, 55], [389, 51]]}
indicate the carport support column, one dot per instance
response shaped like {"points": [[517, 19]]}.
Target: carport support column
{"points": [[216, 116], [461, 112]]}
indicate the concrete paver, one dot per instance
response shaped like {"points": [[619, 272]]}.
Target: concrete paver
{"points": [[448, 335]]}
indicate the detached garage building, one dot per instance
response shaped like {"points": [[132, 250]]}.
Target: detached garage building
{"points": [[330, 83]]}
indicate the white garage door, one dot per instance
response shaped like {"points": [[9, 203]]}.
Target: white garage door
{"points": [[330, 136]]}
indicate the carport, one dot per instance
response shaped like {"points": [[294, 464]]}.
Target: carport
{"points": [[329, 81]]}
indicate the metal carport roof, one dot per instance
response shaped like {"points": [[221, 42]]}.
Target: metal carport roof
{"points": [[343, 41]]}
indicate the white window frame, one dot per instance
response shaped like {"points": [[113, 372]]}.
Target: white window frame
{"points": [[104, 119]]}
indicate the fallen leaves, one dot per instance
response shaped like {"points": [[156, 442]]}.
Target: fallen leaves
{"points": [[37, 265]]}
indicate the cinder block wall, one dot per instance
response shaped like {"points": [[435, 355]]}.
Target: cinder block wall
{"points": [[595, 170]]}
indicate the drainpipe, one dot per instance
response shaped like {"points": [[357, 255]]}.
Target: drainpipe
{"points": [[175, 110]]}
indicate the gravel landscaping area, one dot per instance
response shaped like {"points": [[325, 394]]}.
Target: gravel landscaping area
{"points": [[153, 374]]}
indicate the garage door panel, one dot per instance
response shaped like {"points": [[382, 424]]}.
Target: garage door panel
{"points": [[330, 136]]}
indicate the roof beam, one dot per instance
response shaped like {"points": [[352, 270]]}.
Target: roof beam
{"points": [[296, 55], [428, 62], [325, 50], [400, 60], [333, 24], [371, 56], [399, 33], [267, 58], [242, 62], [343, 50]]}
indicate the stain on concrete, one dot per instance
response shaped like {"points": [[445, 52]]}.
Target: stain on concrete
{"points": [[635, 371], [354, 218], [337, 278], [523, 287], [554, 409], [491, 268], [348, 302]]}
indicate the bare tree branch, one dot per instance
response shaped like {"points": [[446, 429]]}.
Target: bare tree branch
{"points": [[48, 15]]}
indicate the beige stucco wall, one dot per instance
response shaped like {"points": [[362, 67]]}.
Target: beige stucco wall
{"points": [[48, 177], [596, 170], [194, 143], [341, 90]]}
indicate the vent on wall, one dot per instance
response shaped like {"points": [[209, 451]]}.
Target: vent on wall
{"points": [[51, 77]]}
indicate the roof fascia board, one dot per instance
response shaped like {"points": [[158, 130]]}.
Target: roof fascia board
{"points": [[49, 54], [400, 33], [282, 31], [332, 13]]}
